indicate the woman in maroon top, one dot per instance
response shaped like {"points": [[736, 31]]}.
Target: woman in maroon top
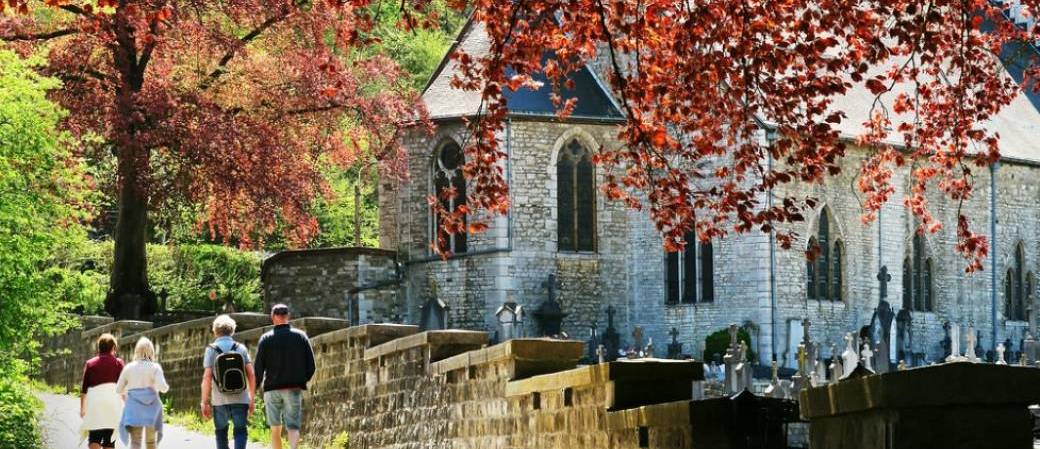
{"points": [[99, 405]]}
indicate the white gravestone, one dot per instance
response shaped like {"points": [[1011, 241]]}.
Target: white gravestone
{"points": [[969, 351], [955, 343], [1000, 354], [850, 358]]}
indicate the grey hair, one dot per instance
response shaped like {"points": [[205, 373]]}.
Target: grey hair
{"points": [[144, 350], [224, 325]]}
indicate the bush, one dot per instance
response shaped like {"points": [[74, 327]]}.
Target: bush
{"points": [[19, 409], [342, 441], [187, 273], [717, 343]]}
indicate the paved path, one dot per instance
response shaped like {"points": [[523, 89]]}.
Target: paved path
{"points": [[61, 420]]}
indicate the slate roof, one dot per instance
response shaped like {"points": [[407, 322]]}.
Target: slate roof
{"points": [[443, 101]]}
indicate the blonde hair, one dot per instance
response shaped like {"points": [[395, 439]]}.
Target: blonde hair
{"points": [[144, 350], [224, 325]]}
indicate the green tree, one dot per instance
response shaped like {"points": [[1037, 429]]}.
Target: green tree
{"points": [[40, 194]]}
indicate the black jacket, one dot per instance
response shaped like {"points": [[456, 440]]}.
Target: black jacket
{"points": [[284, 359]]}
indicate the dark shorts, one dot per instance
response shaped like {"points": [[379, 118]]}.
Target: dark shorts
{"points": [[102, 437]]}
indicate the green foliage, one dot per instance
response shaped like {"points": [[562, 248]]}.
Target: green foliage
{"points": [[187, 273], [40, 190], [19, 428], [417, 51], [342, 441], [336, 216], [717, 342]]}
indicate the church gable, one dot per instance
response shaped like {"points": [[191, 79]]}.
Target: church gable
{"points": [[444, 101]]}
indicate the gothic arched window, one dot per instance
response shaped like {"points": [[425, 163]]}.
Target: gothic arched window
{"points": [[839, 250], [684, 282], [1017, 289], [576, 199], [825, 272], [823, 262], [810, 269], [447, 172], [918, 275], [908, 284]]}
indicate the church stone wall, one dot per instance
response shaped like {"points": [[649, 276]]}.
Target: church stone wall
{"points": [[319, 282]]}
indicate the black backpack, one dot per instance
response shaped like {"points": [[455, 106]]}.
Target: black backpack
{"points": [[229, 370]]}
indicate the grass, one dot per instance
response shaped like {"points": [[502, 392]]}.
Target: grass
{"points": [[44, 387]]}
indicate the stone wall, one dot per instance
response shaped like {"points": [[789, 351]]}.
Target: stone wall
{"points": [[324, 282], [388, 386]]}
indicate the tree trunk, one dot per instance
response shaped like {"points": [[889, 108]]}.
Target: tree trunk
{"points": [[130, 296]]}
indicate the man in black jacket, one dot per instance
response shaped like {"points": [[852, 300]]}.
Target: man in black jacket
{"points": [[284, 364]]}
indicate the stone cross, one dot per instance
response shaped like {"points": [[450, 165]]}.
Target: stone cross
{"points": [[955, 343], [850, 358], [601, 353], [867, 356], [883, 278], [969, 350], [1000, 354], [637, 338], [733, 336], [674, 348], [649, 351]]}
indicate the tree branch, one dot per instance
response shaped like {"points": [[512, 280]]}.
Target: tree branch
{"points": [[222, 64], [40, 36]]}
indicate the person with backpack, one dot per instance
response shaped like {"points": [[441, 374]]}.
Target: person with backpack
{"points": [[284, 365], [228, 384]]}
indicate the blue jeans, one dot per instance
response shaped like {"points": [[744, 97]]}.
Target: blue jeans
{"points": [[284, 408], [237, 413]]}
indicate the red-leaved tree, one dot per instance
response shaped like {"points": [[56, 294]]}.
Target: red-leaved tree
{"points": [[226, 106], [701, 83]]}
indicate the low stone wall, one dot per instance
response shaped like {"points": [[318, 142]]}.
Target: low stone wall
{"points": [[390, 386]]}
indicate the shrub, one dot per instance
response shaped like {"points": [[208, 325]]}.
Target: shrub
{"points": [[19, 426], [187, 273], [717, 342]]}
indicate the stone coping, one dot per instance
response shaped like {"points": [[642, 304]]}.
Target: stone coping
{"points": [[453, 337], [668, 414], [949, 384], [520, 349], [640, 370], [247, 320], [131, 326], [377, 334], [313, 326]]}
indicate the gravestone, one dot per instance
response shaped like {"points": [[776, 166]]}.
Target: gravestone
{"points": [[850, 358], [867, 355], [947, 340], [1000, 354], [550, 314], [510, 316], [955, 343], [675, 347], [592, 344], [969, 349], [434, 314], [904, 335], [795, 333], [885, 316], [611, 337], [835, 366]]}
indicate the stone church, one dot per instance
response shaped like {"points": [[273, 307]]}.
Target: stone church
{"points": [[603, 255]]}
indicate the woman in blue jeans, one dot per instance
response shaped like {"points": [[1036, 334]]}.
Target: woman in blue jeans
{"points": [[227, 407]]}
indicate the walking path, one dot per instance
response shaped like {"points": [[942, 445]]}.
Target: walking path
{"points": [[60, 423]]}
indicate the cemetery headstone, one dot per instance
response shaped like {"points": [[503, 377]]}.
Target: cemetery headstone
{"points": [[675, 347], [969, 349], [850, 358], [1000, 354], [611, 337], [550, 314], [955, 343]]}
